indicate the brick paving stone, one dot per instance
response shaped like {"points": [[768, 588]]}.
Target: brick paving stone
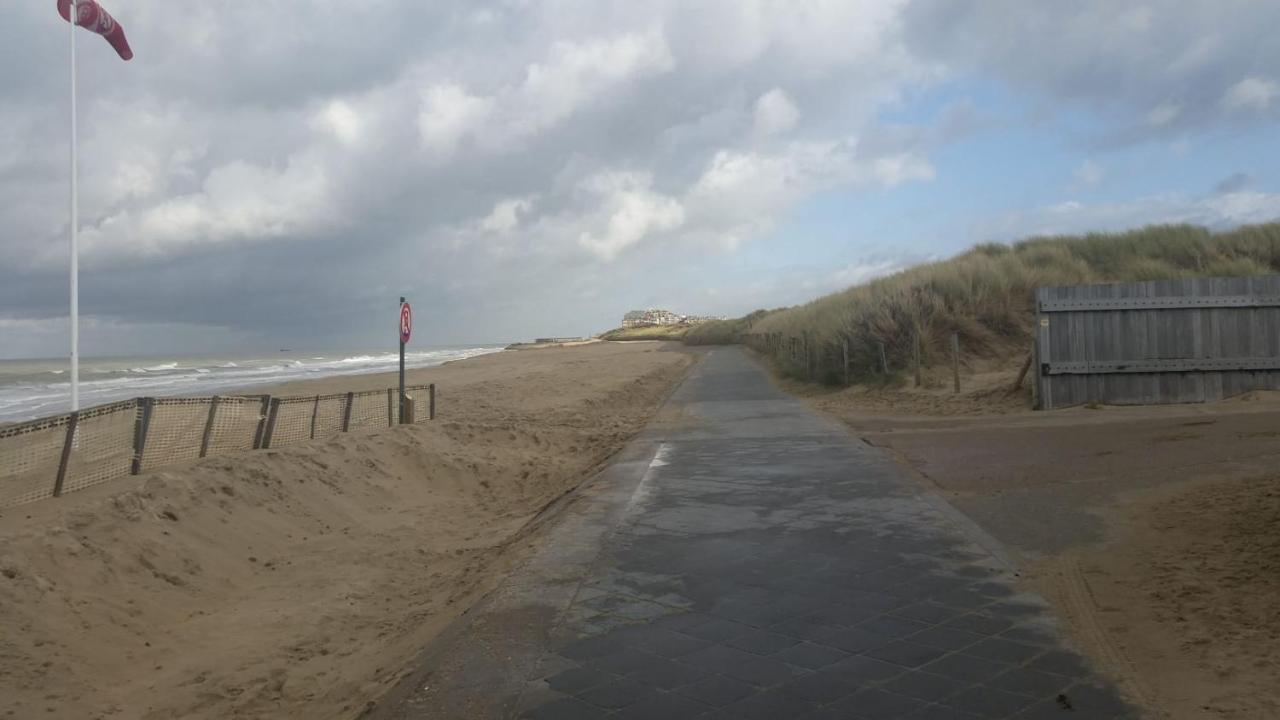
{"points": [[614, 695], [811, 656], [925, 686], [875, 704], [763, 642], [906, 653], [717, 690], [574, 680], [989, 702]]}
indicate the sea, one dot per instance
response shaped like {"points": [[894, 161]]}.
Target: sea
{"points": [[37, 388]]}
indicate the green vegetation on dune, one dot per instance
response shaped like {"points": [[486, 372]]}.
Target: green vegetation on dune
{"points": [[985, 294], [723, 332], [648, 332]]}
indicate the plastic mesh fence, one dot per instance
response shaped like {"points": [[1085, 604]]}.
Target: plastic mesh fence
{"points": [[421, 395], [102, 448], [103, 445], [235, 424], [370, 409], [329, 412], [175, 431], [293, 421], [29, 457]]}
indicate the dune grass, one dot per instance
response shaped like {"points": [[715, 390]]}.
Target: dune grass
{"points": [[723, 332], [985, 294], [648, 332]]}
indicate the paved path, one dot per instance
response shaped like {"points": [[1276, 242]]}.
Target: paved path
{"points": [[748, 558]]}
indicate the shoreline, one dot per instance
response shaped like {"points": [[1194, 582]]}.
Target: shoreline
{"points": [[28, 395]]}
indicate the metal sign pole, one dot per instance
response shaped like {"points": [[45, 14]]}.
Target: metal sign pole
{"points": [[400, 332], [75, 247]]}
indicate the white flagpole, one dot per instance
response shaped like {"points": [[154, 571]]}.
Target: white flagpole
{"points": [[75, 249]]}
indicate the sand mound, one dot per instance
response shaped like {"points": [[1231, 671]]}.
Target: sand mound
{"points": [[298, 582]]}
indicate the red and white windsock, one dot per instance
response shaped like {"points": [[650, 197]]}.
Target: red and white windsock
{"points": [[91, 16]]}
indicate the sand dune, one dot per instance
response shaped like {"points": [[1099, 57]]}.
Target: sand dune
{"points": [[296, 583]]}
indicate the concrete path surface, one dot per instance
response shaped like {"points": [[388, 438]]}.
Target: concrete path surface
{"points": [[748, 558]]}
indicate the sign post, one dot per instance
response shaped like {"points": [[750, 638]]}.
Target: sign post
{"points": [[406, 329]]}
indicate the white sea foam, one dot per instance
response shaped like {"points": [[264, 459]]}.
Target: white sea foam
{"points": [[36, 391]]}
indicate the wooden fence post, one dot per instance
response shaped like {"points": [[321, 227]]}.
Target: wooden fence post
{"points": [[140, 427], [346, 412], [1022, 374], [208, 426], [955, 359], [390, 406], [260, 433], [845, 354], [884, 360], [271, 422], [315, 409], [917, 359], [72, 423], [432, 392], [808, 357]]}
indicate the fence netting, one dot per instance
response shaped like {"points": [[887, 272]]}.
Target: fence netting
{"points": [[237, 422], [291, 420], [371, 409], [330, 410], [174, 431], [423, 401], [50, 456], [29, 457], [101, 446]]}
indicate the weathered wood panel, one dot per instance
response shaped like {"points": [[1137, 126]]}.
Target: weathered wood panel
{"points": [[1164, 341]]}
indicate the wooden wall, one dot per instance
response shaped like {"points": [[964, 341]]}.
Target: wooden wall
{"points": [[1164, 341]]}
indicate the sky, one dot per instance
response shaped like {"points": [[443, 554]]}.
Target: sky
{"points": [[271, 173]]}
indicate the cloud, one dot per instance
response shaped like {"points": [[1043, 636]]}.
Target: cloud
{"points": [[518, 164], [1252, 94], [448, 114], [237, 202], [1235, 182], [1219, 211], [775, 113], [1163, 114], [630, 212], [341, 120], [574, 73], [1089, 173], [505, 216], [1148, 69]]}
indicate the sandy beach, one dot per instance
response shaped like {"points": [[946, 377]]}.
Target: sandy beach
{"points": [[1151, 530], [296, 583]]}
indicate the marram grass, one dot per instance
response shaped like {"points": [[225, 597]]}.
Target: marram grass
{"points": [[985, 294]]}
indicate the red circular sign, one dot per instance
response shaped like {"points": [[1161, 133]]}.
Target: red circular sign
{"points": [[406, 322]]}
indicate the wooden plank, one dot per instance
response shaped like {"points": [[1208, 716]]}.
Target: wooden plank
{"points": [[346, 412], [208, 426], [72, 423], [1163, 365], [271, 423], [1161, 303], [140, 429], [955, 360]]}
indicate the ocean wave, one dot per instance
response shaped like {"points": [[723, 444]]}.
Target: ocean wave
{"points": [[23, 399]]}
